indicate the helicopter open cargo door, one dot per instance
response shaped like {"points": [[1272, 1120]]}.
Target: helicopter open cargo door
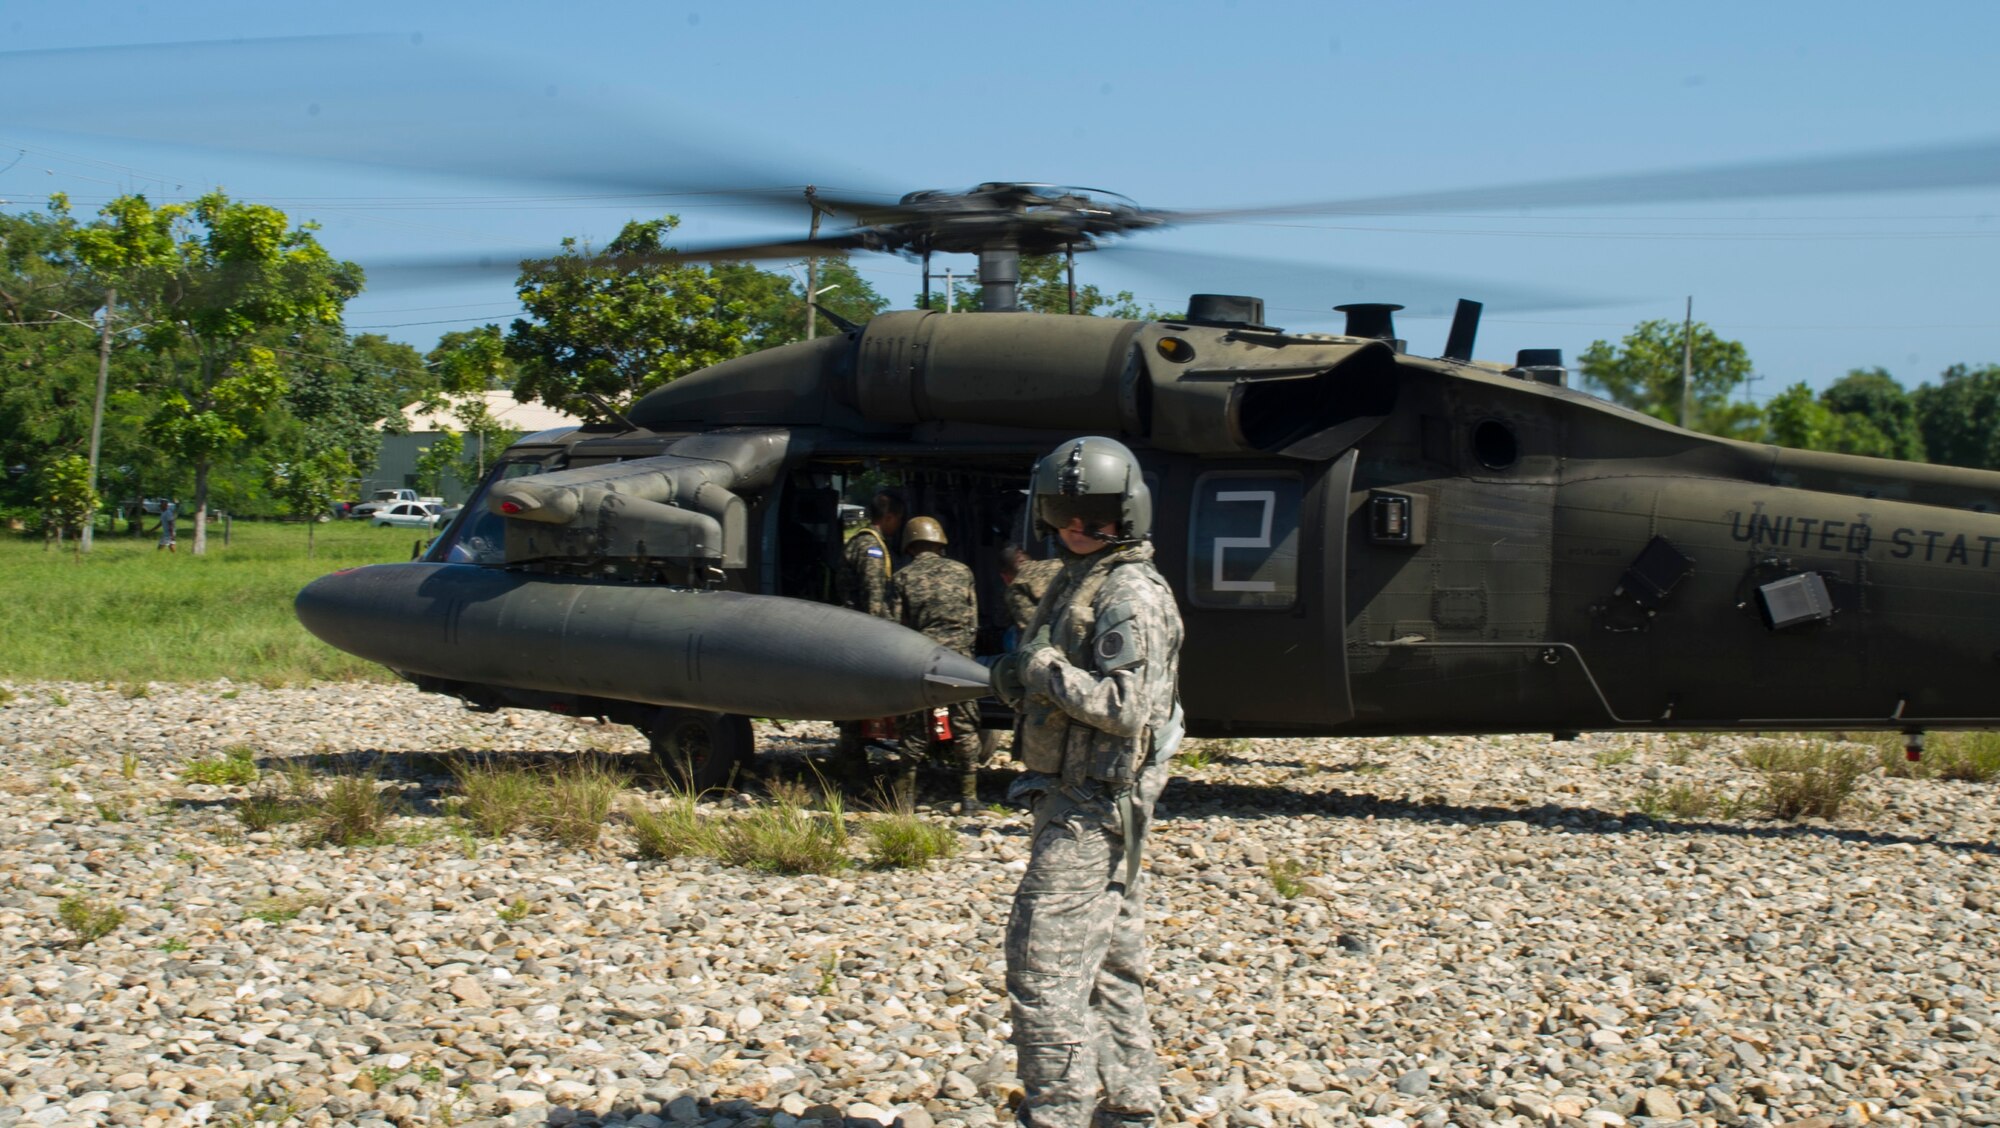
{"points": [[1256, 551]]}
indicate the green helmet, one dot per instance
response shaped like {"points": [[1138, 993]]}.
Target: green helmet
{"points": [[1097, 479]]}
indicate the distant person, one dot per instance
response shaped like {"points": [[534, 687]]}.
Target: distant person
{"points": [[1023, 582], [933, 594], [866, 565], [168, 511]]}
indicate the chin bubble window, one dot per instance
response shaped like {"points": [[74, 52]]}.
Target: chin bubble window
{"points": [[1243, 547]]}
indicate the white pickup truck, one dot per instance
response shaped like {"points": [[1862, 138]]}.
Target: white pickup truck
{"points": [[383, 499]]}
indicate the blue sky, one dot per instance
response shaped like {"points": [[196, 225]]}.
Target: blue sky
{"points": [[1216, 104]]}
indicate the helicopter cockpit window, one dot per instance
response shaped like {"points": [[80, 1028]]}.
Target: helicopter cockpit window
{"points": [[479, 535], [1243, 545]]}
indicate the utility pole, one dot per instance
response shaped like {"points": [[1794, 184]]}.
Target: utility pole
{"points": [[1687, 361], [97, 407], [812, 265], [950, 292]]}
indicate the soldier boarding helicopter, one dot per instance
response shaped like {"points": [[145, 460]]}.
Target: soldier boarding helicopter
{"points": [[1363, 541]]}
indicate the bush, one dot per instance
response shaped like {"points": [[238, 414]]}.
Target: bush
{"points": [[237, 766], [675, 830], [88, 920], [1809, 779], [577, 801], [1970, 757], [787, 836], [1691, 801], [901, 840], [497, 800], [354, 811]]}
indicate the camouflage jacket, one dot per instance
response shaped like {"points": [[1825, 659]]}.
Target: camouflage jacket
{"points": [[1103, 699], [864, 574], [1025, 594], [933, 594]]}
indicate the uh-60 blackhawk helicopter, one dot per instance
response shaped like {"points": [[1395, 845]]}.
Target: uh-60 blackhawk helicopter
{"points": [[1362, 540]]}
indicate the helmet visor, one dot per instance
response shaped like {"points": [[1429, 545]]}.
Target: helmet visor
{"points": [[1097, 511]]}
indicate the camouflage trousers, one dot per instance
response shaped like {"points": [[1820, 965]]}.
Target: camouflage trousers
{"points": [[961, 752], [1076, 961]]}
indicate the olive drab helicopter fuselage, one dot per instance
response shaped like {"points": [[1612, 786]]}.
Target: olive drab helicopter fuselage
{"points": [[1362, 541]]}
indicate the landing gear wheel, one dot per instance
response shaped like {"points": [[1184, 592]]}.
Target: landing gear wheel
{"points": [[697, 750]]}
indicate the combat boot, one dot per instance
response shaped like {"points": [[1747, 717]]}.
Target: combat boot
{"points": [[968, 792]]}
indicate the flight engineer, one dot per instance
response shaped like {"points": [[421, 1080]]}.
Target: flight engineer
{"points": [[1096, 686], [933, 595]]}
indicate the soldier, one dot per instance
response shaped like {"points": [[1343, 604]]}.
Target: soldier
{"points": [[865, 563], [1096, 686], [1024, 580], [865, 569], [933, 594]]}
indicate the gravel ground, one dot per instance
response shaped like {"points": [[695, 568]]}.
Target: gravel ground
{"points": [[1478, 932]]}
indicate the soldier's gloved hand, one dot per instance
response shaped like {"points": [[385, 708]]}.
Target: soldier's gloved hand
{"points": [[1007, 678], [1038, 657]]}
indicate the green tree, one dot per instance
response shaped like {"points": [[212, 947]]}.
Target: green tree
{"points": [[620, 324], [48, 351], [437, 460], [775, 303], [213, 281], [309, 482], [1956, 416], [1644, 373], [1883, 414], [471, 360], [1796, 417], [66, 498]]}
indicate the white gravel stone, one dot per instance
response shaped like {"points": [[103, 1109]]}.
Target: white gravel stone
{"points": [[1482, 932]]}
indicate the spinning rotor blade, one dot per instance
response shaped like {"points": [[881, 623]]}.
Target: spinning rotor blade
{"points": [[1303, 294], [402, 102], [426, 270], [1963, 165]]}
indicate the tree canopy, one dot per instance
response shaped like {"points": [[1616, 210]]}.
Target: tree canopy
{"points": [[1645, 373]]}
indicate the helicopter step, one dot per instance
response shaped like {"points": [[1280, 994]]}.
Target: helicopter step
{"points": [[710, 651]]}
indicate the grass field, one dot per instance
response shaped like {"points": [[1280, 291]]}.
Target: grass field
{"points": [[128, 613]]}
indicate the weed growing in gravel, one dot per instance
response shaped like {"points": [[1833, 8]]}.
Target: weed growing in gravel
{"points": [[675, 830], [6, 696], [262, 1109], [353, 811], [901, 840], [1970, 757], [173, 945], [577, 800], [497, 800], [279, 910], [237, 765], [58, 699], [1288, 876], [829, 971], [231, 694], [1690, 801], [1808, 779], [1612, 757], [187, 858], [516, 911], [786, 835], [135, 690], [269, 807], [88, 920], [1194, 756], [109, 812], [128, 765]]}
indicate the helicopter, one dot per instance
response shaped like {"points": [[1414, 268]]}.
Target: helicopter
{"points": [[1362, 540]]}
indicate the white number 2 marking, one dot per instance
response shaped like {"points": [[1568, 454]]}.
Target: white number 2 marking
{"points": [[1269, 499]]}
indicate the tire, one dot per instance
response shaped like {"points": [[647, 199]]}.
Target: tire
{"points": [[698, 750]]}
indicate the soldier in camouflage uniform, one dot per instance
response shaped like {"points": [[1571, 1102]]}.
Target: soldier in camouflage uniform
{"points": [[865, 563], [863, 585], [1024, 580], [1096, 686], [933, 594]]}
